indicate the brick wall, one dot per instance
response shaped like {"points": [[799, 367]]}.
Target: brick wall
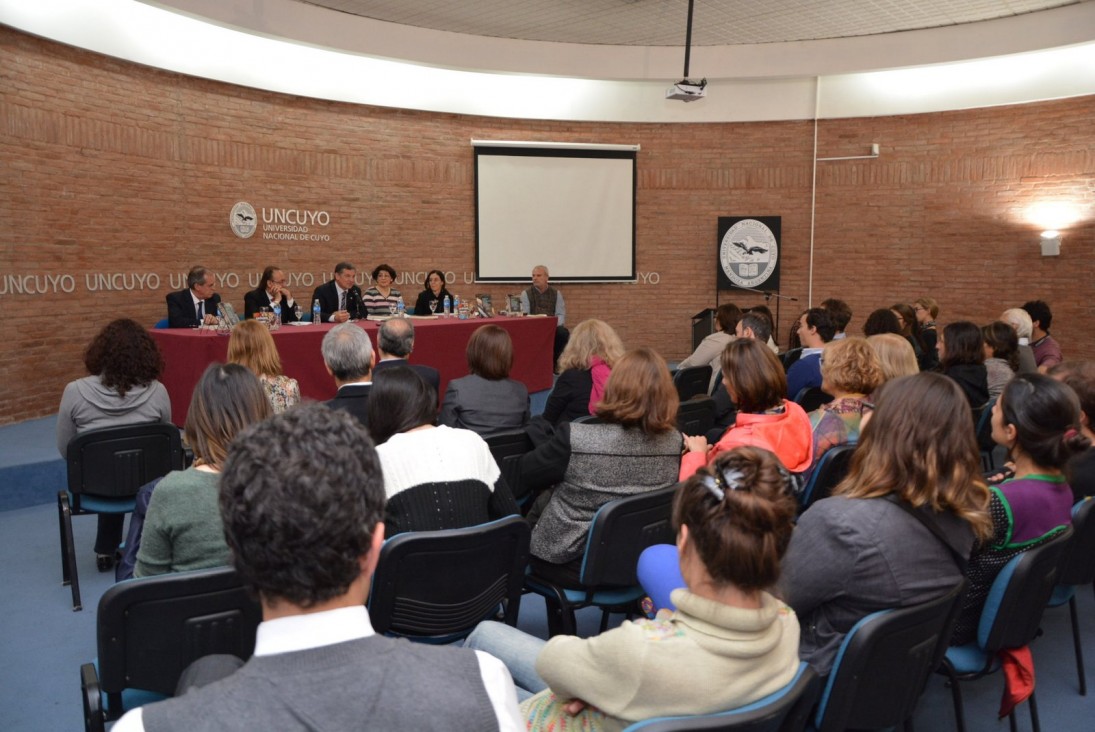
{"points": [[111, 168]]}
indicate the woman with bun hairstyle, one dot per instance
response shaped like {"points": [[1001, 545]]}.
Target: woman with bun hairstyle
{"points": [[729, 641], [1037, 419]]}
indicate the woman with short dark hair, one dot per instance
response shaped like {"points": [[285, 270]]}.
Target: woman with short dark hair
{"points": [[182, 528], [962, 356], [381, 297], [487, 401], [435, 477], [757, 385], [122, 389], [1001, 355]]}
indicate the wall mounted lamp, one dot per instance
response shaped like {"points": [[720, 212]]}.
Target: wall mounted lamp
{"points": [[1051, 243]]}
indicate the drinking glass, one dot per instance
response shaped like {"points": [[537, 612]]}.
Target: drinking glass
{"points": [[433, 307], [392, 308], [297, 312]]}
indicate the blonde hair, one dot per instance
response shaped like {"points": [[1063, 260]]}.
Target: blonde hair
{"points": [[251, 345], [591, 338], [895, 355], [851, 365]]}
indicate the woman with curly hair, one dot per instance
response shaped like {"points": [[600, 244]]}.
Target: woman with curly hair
{"points": [[252, 346], [124, 365], [379, 299], [585, 363]]}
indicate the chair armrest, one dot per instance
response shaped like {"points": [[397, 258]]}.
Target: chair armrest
{"points": [[94, 718]]}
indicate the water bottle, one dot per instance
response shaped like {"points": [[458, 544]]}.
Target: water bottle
{"points": [[276, 322], [456, 306], [448, 306], [401, 308], [316, 311]]}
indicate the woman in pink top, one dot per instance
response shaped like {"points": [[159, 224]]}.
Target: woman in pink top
{"points": [[756, 383]]}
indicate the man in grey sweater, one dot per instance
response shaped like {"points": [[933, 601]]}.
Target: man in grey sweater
{"points": [[305, 526]]}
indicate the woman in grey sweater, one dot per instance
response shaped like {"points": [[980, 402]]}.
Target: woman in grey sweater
{"points": [[122, 389]]}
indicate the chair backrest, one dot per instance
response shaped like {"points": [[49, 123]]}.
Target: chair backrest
{"points": [[884, 663], [696, 416], [1019, 594], [692, 381], [830, 470], [115, 462], [436, 586], [984, 426], [161, 324], [152, 628], [507, 449], [786, 710], [619, 532], [812, 397], [1079, 561]]}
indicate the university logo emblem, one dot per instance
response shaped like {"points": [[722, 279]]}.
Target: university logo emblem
{"points": [[243, 220]]}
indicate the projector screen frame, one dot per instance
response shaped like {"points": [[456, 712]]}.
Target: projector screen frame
{"points": [[557, 150]]}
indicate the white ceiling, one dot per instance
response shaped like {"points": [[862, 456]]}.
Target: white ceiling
{"points": [[663, 22]]}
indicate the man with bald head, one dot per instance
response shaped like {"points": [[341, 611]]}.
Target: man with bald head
{"points": [[543, 299], [395, 341]]}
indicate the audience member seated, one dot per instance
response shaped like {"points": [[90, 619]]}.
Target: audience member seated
{"points": [[1047, 352], [1080, 377], [252, 346], [1001, 355], [182, 528], [634, 448], [926, 311], [814, 331], [727, 643], [756, 384], [381, 297], [349, 358], [122, 389], [395, 342], [585, 364], [895, 355], [1019, 319], [910, 328], [709, 352], [849, 372], [962, 356], [765, 312], [840, 313], [434, 477], [487, 401], [869, 547], [433, 293], [1037, 419], [882, 321], [305, 524]]}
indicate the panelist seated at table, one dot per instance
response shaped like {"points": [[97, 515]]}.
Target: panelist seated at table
{"points": [[349, 358], [271, 292], [435, 292], [381, 298], [543, 299], [395, 341], [197, 304], [340, 299]]}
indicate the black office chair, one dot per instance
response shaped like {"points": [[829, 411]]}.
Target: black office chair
{"points": [[884, 663], [150, 629], [692, 381], [987, 445], [619, 532], [812, 397], [786, 710], [507, 449], [696, 416], [436, 586], [106, 468], [831, 469], [1010, 618], [1078, 569]]}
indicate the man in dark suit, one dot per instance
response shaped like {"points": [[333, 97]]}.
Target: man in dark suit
{"points": [[270, 292], [395, 341], [196, 305], [348, 356], [340, 299]]}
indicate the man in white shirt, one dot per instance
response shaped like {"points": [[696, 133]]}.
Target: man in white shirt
{"points": [[305, 526]]}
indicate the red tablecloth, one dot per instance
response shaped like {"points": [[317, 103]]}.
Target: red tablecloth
{"points": [[440, 343]]}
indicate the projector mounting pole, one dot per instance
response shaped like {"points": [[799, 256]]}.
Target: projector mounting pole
{"points": [[688, 38]]}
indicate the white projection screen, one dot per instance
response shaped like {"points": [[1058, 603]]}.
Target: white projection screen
{"points": [[572, 210]]}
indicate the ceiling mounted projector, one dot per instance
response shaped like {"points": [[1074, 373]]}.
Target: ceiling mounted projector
{"points": [[687, 90]]}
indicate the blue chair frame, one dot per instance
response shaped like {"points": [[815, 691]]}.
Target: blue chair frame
{"points": [[830, 470], [1078, 569]]}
